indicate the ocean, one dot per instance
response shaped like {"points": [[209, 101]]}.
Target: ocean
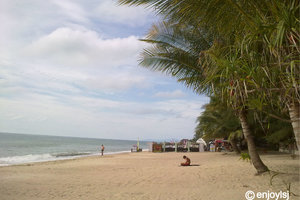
{"points": [[23, 148]]}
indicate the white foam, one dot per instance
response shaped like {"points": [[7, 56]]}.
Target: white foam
{"points": [[32, 158], [14, 160]]}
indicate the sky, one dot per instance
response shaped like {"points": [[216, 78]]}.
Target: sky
{"points": [[70, 68]]}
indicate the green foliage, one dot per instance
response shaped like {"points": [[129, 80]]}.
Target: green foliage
{"points": [[244, 52], [280, 132], [175, 50], [235, 135], [217, 120], [255, 44], [245, 157]]}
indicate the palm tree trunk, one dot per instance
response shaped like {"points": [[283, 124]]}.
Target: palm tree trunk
{"points": [[257, 162], [235, 147], [294, 111]]}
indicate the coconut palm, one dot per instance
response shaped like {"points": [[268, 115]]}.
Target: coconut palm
{"points": [[255, 33], [226, 70], [273, 45], [175, 50], [269, 29]]}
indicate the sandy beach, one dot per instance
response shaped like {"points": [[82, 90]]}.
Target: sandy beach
{"points": [[148, 176]]}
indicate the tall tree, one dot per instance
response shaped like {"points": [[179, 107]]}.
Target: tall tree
{"points": [[259, 36], [265, 32], [273, 45], [176, 49]]}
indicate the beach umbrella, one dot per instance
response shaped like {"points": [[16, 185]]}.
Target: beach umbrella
{"points": [[201, 141]]}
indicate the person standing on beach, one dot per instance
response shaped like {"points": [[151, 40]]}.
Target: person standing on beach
{"points": [[102, 149]]}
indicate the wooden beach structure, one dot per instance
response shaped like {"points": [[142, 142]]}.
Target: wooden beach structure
{"points": [[185, 145], [173, 147]]}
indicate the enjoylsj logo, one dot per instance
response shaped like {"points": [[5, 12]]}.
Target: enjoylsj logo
{"points": [[250, 195]]}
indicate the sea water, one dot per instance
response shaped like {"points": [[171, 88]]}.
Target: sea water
{"points": [[23, 148]]}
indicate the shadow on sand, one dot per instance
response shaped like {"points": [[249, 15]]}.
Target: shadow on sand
{"points": [[193, 165]]}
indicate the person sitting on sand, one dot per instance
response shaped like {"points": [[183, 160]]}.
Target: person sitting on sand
{"points": [[187, 161]]}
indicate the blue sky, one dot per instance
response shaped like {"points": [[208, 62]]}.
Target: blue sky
{"points": [[70, 68]]}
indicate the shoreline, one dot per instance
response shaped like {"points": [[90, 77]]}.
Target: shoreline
{"points": [[66, 158], [147, 175], [23, 148], [53, 158]]}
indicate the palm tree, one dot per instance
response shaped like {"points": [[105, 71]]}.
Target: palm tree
{"points": [[175, 50], [262, 33], [273, 45], [265, 32]]}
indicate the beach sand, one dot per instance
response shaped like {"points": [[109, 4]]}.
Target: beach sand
{"points": [[148, 176]]}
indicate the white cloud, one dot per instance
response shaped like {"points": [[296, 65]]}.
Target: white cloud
{"points": [[174, 94], [81, 57], [108, 10], [71, 10], [85, 48], [63, 73], [96, 117], [116, 81]]}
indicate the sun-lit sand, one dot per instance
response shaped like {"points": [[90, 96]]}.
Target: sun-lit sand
{"points": [[148, 176]]}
